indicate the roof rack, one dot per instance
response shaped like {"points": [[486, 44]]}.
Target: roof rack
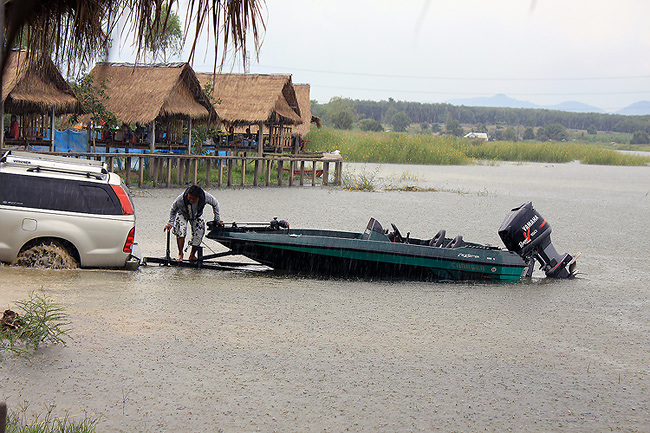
{"points": [[36, 162]]}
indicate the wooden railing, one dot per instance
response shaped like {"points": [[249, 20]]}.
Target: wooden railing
{"points": [[292, 170]]}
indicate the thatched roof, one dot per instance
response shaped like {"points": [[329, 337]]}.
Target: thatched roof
{"points": [[142, 93], [302, 93], [31, 83], [253, 98]]}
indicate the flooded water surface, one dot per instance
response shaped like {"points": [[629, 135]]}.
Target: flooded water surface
{"points": [[164, 349]]}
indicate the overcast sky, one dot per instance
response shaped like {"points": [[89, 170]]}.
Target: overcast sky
{"points": [[543, 51]]}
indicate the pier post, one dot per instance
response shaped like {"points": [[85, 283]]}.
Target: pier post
{"points": [[141, 172], [326, 172]]}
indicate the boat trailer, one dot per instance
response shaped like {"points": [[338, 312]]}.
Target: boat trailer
{"points": [[204, 261]]}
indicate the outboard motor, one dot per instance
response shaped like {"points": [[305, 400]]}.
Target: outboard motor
{"points": [[525, 232]]}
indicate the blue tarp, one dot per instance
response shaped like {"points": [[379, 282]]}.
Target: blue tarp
{"points": [[70, 141]]}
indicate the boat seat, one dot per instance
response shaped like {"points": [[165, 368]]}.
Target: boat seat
{"points": [[456, 242], [438, 239]]}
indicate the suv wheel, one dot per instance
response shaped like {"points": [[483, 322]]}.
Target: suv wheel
{"points": [[47, 255]]}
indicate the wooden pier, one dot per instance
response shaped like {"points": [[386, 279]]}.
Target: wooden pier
{"points": [[167, 170]]}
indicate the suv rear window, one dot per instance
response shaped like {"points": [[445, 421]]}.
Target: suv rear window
{"points": [[58, 194]]}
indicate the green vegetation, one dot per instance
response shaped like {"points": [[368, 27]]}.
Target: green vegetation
{"points": [[384, 111], [38, 320], [403, 148], [19, 421], [389, 147]]}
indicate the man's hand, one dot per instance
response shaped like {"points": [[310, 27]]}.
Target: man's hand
{"points": [[214, 224], [167, 227]]}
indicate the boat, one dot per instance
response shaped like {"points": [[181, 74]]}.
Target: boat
{"points": [[378, 253]]}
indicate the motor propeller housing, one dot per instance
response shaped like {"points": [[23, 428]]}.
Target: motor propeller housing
{"points": [[527, 233]]}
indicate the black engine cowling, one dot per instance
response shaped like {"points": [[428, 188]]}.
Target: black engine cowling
{"points": [[527, 233]]}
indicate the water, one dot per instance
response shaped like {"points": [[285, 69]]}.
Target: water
{"points": [[185, 350]]}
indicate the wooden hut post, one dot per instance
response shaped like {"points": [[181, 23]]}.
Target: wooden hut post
{"points": [[152, 149], [326, 172], [243, 171], [339, 173], [208, 166], [2, 106], [189, 135], [169, 171], [51, 130], [260, 144], [302, 173]]}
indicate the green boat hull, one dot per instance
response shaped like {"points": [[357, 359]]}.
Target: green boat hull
{"points": [[346, 254]]}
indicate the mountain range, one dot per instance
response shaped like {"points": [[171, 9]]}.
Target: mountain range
{"points": [[501, 100]]}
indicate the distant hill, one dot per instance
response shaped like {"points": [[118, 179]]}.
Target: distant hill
{"points": [[574, 107], [637, 109], [502, 100], [499, 100]]}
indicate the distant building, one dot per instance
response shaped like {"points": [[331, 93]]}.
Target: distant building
{"points": [[481, 135]]}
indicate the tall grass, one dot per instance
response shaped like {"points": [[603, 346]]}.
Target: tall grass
{"points": [[402, 148], [18, 421], [389, 147], [39, 320]]}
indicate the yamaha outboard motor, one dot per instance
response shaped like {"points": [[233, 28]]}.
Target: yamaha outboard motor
{"points": [[525, 232]]}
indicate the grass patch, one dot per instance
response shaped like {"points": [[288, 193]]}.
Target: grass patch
{"points": [[401, 148], [38, 320], [20, 421]]}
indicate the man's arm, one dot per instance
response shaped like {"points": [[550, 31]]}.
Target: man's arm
{"points": [[209, 199]]}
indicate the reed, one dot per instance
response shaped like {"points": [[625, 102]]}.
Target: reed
{"points": [[389, 147], [402, 148]]}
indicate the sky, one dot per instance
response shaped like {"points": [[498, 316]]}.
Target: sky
{"points": [[544, 51]]}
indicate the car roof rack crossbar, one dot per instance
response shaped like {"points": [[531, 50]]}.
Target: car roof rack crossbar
{"points": [[61, 164], [38, 169]]}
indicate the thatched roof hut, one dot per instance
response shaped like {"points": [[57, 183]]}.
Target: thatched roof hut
{"points": [[31, 83], [243, 99], [302, 94], [143, 93]]}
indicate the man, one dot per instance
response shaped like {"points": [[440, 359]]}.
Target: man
{"points": [[188, 207]]}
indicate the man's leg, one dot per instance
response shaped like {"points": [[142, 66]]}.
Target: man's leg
{"points": [[180, 230], [181, 243], [198, 230]]}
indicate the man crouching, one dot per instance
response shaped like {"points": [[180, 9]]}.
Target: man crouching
{"points": [[188, 207]]}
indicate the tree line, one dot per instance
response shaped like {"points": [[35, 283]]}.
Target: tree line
{"points": [[343, 113]]}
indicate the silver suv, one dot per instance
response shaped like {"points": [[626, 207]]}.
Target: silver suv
{"points": [[73, 204]]}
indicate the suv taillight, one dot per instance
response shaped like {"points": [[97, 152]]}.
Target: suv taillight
{"points": [[128, 245], [125, 200]]}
